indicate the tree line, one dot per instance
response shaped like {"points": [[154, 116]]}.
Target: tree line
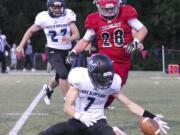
{"points": [[161, 17]]}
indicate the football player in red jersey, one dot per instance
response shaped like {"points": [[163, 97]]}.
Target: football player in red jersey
{"points": [[112, 26]]}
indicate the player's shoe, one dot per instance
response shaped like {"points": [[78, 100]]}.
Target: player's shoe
{"points": [[47, 94], [111, 108], [117, 130]]}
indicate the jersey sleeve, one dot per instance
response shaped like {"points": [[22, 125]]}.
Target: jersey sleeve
{"points": [[116, 84], [128, 12], [74, 77], [90, 22], [71, 16], [39, 20]]}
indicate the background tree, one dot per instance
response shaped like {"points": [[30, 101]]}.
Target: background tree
{"points": [[162, 18]]}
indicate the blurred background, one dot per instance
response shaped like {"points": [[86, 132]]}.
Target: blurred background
{"points": [[161, 17]]}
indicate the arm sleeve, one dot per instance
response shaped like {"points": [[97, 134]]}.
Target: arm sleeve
{"points": [[89, 35], [135, 24], [39, 20], [73, 77], [71, 16]]}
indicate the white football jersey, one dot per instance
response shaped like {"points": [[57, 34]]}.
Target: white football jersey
{"points": [[56, 28], [90, 100]]}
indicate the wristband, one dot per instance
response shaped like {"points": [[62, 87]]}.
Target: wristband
{"points": [[148, 114], [136, 41], [77, 115], [74, 51]]}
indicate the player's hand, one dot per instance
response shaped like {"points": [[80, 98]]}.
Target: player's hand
{"points": [[140, 47], [70, 58], [65, 40], [19, 52], [88, 121], [162, 124], [131, 47]]}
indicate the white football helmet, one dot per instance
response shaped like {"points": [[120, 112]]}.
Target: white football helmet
{"points": [[108, 9]]}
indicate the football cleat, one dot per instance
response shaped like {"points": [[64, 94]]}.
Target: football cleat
{"points": [[47, 94], [117, 130]]}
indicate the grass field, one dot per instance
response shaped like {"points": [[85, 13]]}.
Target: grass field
{"points": [[155, 91]]}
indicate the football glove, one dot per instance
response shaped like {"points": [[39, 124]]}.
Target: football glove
{"points": [[70, 58], [163, 126], [88, 121], [131, 47]]}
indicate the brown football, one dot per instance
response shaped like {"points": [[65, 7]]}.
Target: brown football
{"points": [[149, 126]]}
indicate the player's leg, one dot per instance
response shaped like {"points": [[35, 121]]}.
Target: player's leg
{"points": [[49, 88], [64, 128], [101, 128], [62, 69], [122, 70]]}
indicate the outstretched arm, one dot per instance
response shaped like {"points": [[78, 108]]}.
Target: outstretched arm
{"points": [[133, 107], [27, 35], [138, 110], [70, 100]]}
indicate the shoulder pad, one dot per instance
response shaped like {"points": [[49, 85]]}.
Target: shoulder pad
{"points": [[74, 76], [40, 18], [70, 15], [90, 21], [116, 84], [128, 12]]}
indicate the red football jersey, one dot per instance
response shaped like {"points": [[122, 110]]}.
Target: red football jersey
{"points": [[113, 34]]}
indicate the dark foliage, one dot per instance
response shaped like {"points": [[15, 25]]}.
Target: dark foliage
{"points": [[162, 18]]}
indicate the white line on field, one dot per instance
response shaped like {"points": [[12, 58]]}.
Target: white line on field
{"points": [[32, 114], [166, 78], [19, 124]]}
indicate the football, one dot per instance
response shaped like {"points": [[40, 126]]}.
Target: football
{"points": [[149, 126]]}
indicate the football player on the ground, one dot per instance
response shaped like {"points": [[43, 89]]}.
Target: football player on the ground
{"points": [[60, 29], [112, 26], [85, 100]]}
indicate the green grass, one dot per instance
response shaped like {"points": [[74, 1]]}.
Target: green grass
{"points": [[159, 95]]}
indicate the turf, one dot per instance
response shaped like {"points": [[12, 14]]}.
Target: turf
{"points": [[155, 91]]}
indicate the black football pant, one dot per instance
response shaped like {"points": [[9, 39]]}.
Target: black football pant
{"points": [[3, 62]]}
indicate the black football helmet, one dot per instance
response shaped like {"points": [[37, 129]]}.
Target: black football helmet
{"points": [[56, 8], [100, 71]]}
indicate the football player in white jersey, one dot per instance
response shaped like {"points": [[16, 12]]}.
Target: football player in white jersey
{"points": [[86, 97], [60, 29]]}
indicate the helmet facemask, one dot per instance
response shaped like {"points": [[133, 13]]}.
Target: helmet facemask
{"points": [[108, 12], [108, 9], [56, 9], [102, 80]]}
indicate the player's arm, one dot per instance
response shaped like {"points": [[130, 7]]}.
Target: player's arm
{"points": [[139, 35], [27, 35], [74, 33], [85, 41], [138, 110], [140, 45], [70, 100], [141, 30], [133, 107], [81, 45]]}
